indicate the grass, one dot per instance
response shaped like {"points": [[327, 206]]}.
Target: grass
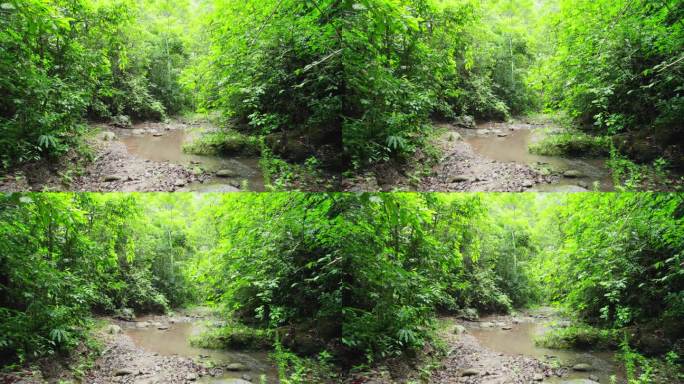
{"points": [[573, 144], [580, 336], [233, 336], [226, 143]]}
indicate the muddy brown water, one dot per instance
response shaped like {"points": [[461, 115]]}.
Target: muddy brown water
{"points": [[520, 341], [169, 147], [175, 341], [513, 147]]}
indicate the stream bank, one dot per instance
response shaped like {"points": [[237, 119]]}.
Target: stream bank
{"points": [[145, 157], [489, 157], [498, 349], [502, 349], [157, 350]]}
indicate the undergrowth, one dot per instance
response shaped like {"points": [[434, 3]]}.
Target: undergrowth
{"points": [[233, 336], [640, 369], [294, 369], [224, 143], [630, 176], [574, 144], [281, 175], [579, 336]]}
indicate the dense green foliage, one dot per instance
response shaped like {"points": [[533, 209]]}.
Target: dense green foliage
{"points": [[64, 256], [361, 76], [620, 260], [61, 61], [357, 276], [369, 270], [618, 65], [350, 83]]}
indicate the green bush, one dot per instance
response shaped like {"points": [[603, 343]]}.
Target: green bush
{"points": [[580, 336], [587, 73], [64, 60], [234, 336], [65, 256], [224, 143], [574, 144]]}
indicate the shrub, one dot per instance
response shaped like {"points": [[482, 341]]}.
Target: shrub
{"points": [[224, 143], [580, 336], [574, 144], [234, 336]]}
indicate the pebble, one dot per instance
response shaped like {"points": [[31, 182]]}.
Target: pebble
{"points": [[582, 367], [460, 179], [236, 367], [123, 372], [573, 173], [226, 173]]}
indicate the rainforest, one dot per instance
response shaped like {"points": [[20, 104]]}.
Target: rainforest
{"points": [[352, 95], [331, 288]]}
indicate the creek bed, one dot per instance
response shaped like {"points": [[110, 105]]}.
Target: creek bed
{"points": [[519, 340], [175, 341], [505, 142], [167, 146]]}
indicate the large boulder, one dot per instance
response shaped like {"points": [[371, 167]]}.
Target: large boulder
{"points": [[125, 314], [236, 367], [582, 367], [288, 146], [637, 147], [465, 121], [227, 173], [573, 174], [675, 155], [651, 344], [108, 136], [469, 314], [122, 121]]}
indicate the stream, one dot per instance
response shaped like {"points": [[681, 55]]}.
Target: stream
{"points": [[507, 142], [175, 341], [167, 146], [512, 336], [519, 340]]}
